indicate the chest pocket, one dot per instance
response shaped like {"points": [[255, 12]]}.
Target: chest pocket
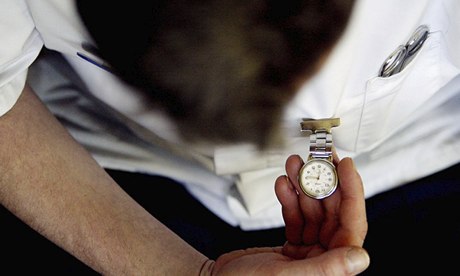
{"points": [[389, 103]]}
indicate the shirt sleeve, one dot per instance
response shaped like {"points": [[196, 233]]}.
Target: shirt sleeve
{"points": [[20, 44]]}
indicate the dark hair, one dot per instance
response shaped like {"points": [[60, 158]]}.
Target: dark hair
{"points": [[221, 69]]}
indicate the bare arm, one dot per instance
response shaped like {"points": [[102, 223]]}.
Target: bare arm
{"points": [[50, 182]]}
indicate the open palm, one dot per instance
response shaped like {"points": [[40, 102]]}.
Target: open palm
{"points": [[320, 234]]}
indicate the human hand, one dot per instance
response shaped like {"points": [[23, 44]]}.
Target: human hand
{"points": [[313, 226], [324, 237], [271, 261]]}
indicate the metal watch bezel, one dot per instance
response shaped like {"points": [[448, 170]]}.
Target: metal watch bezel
{"points": [[336, 182]]}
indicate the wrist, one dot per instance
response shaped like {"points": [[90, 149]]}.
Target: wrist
{"points": [[207, 267]]}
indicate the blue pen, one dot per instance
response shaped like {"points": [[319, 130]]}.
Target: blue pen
{"points": [[98, 64]]}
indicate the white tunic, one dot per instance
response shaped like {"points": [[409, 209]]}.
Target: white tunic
{"points": [[397, 129]]}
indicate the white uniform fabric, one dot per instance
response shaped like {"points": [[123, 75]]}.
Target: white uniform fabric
{"points": [[19, 46], [397, 129]]}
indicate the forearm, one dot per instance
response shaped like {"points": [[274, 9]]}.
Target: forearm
{"points": [[53, 184]]}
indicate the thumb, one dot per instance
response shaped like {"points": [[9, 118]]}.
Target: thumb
{"points": [[338, 261]]}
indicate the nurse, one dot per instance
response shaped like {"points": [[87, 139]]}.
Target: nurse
{"points": [[61, 190]]}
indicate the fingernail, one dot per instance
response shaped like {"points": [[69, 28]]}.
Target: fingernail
{"points": [[358, 260]]}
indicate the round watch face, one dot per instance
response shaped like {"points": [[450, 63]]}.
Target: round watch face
{"points": [[318, 178]]}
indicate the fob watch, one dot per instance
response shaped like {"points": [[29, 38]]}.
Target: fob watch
{"points": [[318, 177]]}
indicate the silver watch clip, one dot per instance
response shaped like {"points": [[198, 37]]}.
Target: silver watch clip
{"points": [[320, 136]]}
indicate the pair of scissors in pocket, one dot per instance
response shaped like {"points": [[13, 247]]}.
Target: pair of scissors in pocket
{"points": [[404, 54]]}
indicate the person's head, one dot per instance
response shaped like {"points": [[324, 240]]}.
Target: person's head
{"points": [[223, 70]]}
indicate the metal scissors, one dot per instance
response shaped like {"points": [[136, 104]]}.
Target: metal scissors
{"points": [[404, 54]]}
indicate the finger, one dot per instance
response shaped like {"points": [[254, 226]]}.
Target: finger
{"points": [[339, 261], [293, 218], [301, 251], [331, 207], [335, 157], [311, 209], [331, 220], [352, 220], [293, 165]]}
